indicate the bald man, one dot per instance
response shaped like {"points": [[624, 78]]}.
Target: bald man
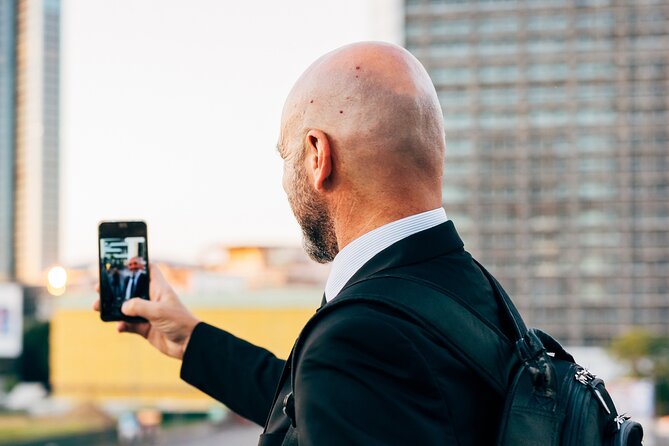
{"points": [[363, 148], [136, 284]]}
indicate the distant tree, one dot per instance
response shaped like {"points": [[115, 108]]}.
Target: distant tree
{"points": [[634, 348], [647, 357]]}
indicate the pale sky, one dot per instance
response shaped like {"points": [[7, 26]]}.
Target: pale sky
{"points": [[171, 108]]}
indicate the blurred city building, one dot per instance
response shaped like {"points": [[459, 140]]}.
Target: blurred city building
{"points": [[262, 294], [557, 156], [29, 138], [7, 70], [90, 361]]}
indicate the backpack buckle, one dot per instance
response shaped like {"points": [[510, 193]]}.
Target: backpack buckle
{"points": [[529, 346], [289, 408]]}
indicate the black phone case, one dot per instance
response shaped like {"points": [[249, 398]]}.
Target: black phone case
{"points": [[109, 310]]}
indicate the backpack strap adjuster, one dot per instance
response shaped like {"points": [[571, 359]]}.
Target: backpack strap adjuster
{"points": [[289, 408]]}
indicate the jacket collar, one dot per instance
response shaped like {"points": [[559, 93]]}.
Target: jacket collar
{"points": [[421, 246]]}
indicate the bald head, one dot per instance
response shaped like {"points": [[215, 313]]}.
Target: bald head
{"points": [[136, 264], [378, 107], [363, 144]]}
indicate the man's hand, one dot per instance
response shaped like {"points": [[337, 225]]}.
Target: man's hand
{"points": [[169, 325]]}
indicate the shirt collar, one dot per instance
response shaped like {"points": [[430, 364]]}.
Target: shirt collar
{"points": [[361, 250]]}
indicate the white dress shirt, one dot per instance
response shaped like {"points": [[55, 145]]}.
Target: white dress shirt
{"points": [[361, 250], [131, 285]]}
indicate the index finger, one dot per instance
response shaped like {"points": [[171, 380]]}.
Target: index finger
{"points": [[155, 272], [157, 282]]}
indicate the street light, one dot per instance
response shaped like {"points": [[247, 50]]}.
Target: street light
{"points": [[56, 280]]}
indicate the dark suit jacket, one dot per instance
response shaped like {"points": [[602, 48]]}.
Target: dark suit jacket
{"points": [[365, 375], [141, 287]]}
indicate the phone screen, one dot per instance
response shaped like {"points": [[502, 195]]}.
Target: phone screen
{"points": [[124, 267]]}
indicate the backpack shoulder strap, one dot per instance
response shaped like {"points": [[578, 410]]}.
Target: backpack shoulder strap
{"points": [[473, 340]]}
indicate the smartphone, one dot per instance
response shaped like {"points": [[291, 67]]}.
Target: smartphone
{"points": [[124, 267]]}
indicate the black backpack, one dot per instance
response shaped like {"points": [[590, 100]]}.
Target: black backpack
{"points": [[549, 399]]}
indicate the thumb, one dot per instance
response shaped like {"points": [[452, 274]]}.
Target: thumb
{"points": [[140, 307]]}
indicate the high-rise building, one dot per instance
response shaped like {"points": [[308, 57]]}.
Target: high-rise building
{"points": [[7, 123], [557, 152], [29, 138]]}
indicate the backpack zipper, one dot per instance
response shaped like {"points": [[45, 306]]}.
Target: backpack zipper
{"points": [[583, 379], [587, 378], [575, 417]]}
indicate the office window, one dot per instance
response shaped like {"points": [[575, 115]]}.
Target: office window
{"points": [[498, 4], [649, 20], [596, 265], [593, 143], [458, 169], [540, 191], [499, 74], [596, 190], [497, 47], [547, 72], [491, 120], [548, 166], [455, 194], [595, 70], [498, 25], [458, 147], [548, 286], [455, 48], [591, 20], [499, 96], [547, 22], [546, 45], [641, 117], [648, 71], [498, 167], [650, 163], [414, 29], [449, 2], [599, 91], [545, 4], [543, 95], [549, 118], [451, 27], [457, 121], [454, 98], [597, 165], [587, 116], [588, 43], [452, 76], [496, 145], [557, 144], [648, 42], [507, 193], [596, 218]]}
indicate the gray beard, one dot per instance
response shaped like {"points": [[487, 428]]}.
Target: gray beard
{"points": [[319, 238]]}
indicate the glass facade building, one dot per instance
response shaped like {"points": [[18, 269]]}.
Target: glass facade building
{"points": [[29, 138], [557, 152]]}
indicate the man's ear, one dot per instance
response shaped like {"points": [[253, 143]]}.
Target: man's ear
{"points": [[319, 158]]}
